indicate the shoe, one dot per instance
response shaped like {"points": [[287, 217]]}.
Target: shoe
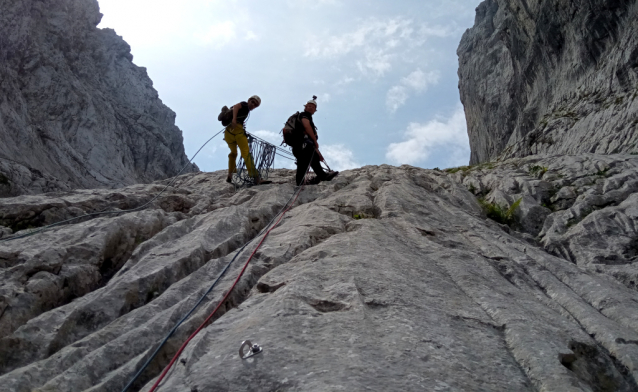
{"points": [[229, 180], [331, 175], [262, 182], [313, 181]]}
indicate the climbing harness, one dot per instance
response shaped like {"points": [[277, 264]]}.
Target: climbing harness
{"points": [[94, 214], [265, 231], [254, 349]]}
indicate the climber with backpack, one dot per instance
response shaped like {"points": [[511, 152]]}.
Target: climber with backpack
{"points": [[235, 136], [300, 133]]}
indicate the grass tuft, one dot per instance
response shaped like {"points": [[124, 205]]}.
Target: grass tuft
{"points": [[537, 171], [457, 169], [602, 173], [499, 214]]}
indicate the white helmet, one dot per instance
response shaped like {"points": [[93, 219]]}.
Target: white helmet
{"points": [[313, 101], [256, 98]]}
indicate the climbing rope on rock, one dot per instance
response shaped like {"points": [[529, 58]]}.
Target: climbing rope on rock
{"points": [[267, 229]]}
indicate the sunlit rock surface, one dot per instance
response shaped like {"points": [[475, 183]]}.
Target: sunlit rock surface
{"points": [[384, 279], [75, 112], [550, 77]]}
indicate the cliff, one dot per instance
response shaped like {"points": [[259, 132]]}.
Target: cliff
{"points": [[550, 77], [75, 112], [518, 274]]}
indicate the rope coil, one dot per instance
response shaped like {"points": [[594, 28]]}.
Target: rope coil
{"points": [[263, 155]]}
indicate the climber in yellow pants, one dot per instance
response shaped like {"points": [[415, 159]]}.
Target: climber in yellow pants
{"points": [[235, 136]]}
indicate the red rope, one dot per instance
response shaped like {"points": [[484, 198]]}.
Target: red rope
{"points": [[179, 352]]}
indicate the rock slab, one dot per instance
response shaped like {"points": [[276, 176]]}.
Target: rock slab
{"points": [[383, 279]]}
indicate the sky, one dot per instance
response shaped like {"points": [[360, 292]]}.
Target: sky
{"points": [[384, 72]]}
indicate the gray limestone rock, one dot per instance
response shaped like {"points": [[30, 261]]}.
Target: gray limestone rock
{"points": [[5, 231], [530, 215], [580, 208], [385, 278], [551, 78], [75, 112]]}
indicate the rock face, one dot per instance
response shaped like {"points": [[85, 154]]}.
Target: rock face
{"points": [[550, 77], [518, 275], [580, 208], [385, 278], [74, 110]]}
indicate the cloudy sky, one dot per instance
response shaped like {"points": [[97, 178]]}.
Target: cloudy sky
{"points": [[384, 72]]}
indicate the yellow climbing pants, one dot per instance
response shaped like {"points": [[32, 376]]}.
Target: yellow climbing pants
{"points": [[236, 137]]}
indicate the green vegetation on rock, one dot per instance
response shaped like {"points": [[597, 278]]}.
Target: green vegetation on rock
{"points": [[457, 169], [537, 171], [466, 169], [602, 173], [499, 214]]}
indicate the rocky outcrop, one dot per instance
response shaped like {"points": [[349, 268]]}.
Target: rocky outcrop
{"points": [[550, 77], [385, 278], [581, 208], [75, 112]]}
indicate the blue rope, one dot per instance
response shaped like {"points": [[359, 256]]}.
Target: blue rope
{"points": [[180, 322]]}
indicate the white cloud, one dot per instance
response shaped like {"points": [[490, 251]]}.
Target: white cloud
{"points": [[422, 139], [251, 36], [269, 136], [215, 149], [436, 31], [285, 163], [373, 44], [376, 63], [305, 4], [218, 35], [344, 81], [338, 157], [144, 22], [396, 98], [281, 160], [417, 81]]}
